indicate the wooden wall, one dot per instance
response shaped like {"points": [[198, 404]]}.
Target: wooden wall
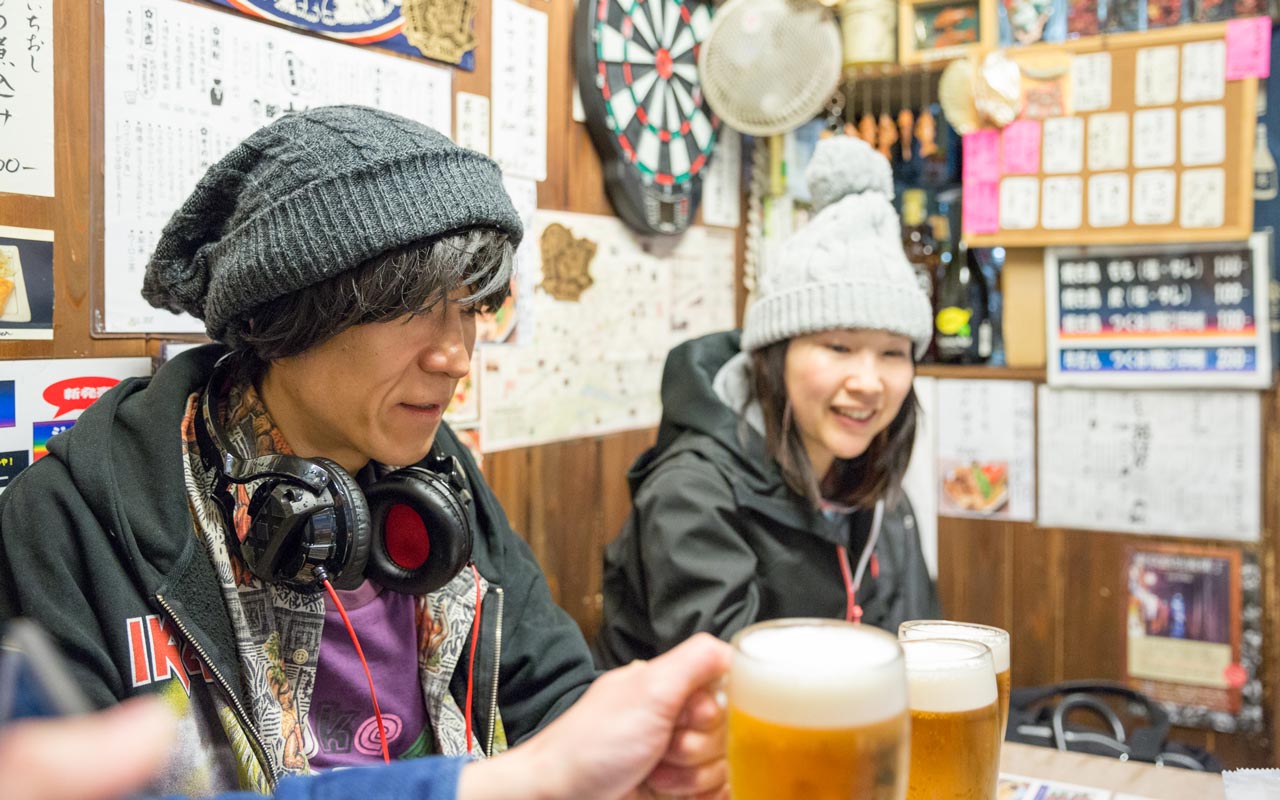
{"points": [[1057, 591]]}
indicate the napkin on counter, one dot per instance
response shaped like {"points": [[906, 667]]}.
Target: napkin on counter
{"points": [[1251, 784]]}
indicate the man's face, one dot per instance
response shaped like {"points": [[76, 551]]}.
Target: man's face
{"points": [[375, 391]]}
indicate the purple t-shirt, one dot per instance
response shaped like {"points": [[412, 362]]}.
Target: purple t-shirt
{"points": [[343, 727]]}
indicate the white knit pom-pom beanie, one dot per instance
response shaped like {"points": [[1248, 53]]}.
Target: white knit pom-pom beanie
{"points": [[846, 268]]}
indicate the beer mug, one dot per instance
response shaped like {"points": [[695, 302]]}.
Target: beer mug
{"points": [[995, 638], [817, 711], [955, 718]]}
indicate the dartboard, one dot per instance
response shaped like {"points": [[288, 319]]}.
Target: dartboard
{"points": [[637, 67]]}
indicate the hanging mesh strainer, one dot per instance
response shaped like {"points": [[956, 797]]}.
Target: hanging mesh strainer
{"points": [[768, 66]]}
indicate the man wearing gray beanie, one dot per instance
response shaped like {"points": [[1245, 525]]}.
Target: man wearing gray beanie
{"points": [[782, 447], [211, 526]]}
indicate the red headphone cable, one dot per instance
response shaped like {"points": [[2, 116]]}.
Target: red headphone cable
{"points": [[377, 712]]}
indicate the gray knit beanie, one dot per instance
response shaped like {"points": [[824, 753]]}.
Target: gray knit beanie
{"points": [[313, 195], [846, 268]]}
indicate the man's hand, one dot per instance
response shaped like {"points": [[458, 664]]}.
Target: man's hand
{"points": [[91, 757], [647, 728]]}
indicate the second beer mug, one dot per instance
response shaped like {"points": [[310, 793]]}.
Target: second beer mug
{"points": [[995, 638], [817, 711], [955, 742]]}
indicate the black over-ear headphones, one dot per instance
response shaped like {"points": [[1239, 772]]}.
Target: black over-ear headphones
{"points": [[308, 518]]}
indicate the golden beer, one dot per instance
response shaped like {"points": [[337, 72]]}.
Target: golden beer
{"points": [[955, 718], [995, 638], [817, 711]]}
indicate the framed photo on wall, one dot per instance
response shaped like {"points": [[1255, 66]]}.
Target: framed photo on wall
{"points": [[929, 30], [1194, 639]]}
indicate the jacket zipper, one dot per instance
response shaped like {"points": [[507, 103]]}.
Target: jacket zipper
{"points": [[252, 733], [497, 659]]}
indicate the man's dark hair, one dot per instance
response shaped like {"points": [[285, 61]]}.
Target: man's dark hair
{"points": [[859, 482], [411, 280]]}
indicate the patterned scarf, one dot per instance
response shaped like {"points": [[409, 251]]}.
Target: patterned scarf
{"points": [[278, 630]]}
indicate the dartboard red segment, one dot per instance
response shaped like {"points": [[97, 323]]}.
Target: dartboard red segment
{"points": [[637, 73]]}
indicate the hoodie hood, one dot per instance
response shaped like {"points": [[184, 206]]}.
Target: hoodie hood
{"points": [[139, 422], [698, 399]]}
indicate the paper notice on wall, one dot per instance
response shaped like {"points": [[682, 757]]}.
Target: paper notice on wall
{"points": [[609, 306], [1155, 132], [1108, 200], [472, 122], [722, 186], [986, 450], [1175, 463], [1204, 70], [26, 97], [1155, 83], [1091, 82], [519, 89], [921, 480], [1063, 145], [1063, 207], [183, 85], [42, 398], [1019, 203]]}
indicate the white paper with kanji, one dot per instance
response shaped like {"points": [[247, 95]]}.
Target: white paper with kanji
{"points": [[183, 85]]}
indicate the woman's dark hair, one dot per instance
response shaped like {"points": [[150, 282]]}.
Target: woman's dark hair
{"points": [[874, 475], [410, 280]]}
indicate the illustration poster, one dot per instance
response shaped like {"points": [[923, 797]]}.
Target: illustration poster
{"points": [[436, 29], [609, 307], [26, 283], [1187, 646], [41, 398], [182, 85], [986, 449]]}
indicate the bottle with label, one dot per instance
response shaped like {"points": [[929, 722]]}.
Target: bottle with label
{"points": [[962, 331], [1266, 182], [918, 242]]}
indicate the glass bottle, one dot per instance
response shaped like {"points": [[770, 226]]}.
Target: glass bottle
{"points": [[962, 325], [918, 242]]}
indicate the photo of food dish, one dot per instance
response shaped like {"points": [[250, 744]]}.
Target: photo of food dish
{"points": [[980, 487], [14, 306]]}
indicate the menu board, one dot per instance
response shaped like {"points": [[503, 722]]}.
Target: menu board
{"points": [[1160, 315]]}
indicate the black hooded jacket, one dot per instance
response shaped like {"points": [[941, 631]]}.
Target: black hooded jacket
{"points": [[99, 532], [716, 540]]}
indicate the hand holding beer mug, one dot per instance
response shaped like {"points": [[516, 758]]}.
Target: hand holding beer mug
{"points": [[817, 711], [955, 742], [995, 638]]}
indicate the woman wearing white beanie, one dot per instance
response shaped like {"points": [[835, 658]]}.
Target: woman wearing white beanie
{"points": [[774, 489]]}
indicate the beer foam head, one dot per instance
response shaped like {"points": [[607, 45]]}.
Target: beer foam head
{"points": [[994, 638], [816, 674], [948, 675]]}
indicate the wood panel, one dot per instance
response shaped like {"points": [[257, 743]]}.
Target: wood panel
{"points": [[1061, 594]]}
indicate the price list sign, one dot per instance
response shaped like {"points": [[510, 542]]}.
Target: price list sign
{"points": [[1159, 316]]}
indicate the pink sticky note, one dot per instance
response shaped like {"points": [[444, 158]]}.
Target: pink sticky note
{"points": [[1248, 48], [980, 207], [982, 156], [1020, 147]]}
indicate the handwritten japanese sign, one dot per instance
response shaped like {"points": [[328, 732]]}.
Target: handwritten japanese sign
{"points": [[26, 97]]}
